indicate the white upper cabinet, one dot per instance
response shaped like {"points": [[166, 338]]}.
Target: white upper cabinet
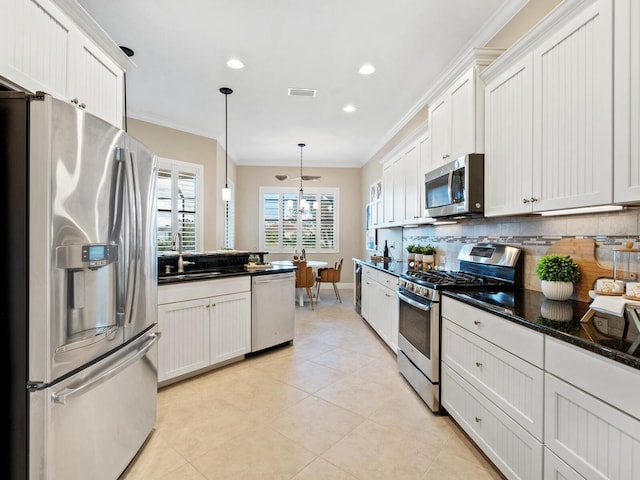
{"points": [[392, 192], [37, 45], [411, 170], [549, 115], [508, 143], [456, 121], [573, 110], [97, 82], [627, 101], [43, 49]]}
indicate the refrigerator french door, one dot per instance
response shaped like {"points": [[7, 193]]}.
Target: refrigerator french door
{"points": [[80, 308]]}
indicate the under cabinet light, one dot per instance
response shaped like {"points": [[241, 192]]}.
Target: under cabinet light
{"points": [[578, 211]]}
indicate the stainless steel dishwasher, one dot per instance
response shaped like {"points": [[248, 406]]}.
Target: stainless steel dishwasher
{"points": [[273, 310]]}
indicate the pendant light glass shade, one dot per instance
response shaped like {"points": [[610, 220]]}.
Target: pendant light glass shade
{"points": [[226, 191]]}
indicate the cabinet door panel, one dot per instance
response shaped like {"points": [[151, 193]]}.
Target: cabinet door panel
{"points": [[97, 81], [594, 438], [411, 185], [510, 382], [230, 326], [37, 46], [509, 141], [573, 119], [514, 451], [184, 346], [439, 118], [462, 112], [627, 101]]}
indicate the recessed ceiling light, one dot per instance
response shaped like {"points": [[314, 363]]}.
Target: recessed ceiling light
{"points": [[367, 69], [235, 63], [349, 108]]}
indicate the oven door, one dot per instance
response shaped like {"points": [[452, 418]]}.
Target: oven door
{"points": [[419, 333]]}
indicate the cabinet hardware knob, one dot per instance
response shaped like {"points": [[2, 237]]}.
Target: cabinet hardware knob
{"points": [[525, 200], [82, 105], [74, 100], [478, 419], [533, 199], [476, 322], [478, 364]]}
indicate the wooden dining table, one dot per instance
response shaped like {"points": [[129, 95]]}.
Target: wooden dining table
{"points": [[315, 264]]}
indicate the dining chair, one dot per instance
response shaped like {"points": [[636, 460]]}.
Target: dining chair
{"points": [[329, 275], [305, 279]]}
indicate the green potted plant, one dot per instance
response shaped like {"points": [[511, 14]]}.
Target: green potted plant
{"points": [[557, 274], [411, 252], [428, 255]]}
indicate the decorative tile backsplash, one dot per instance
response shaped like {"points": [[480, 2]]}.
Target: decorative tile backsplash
{"points": [[533, 234]]}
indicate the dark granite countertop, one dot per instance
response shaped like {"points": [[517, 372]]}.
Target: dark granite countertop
{"points": [[394, 267], [220, 272], [560, 320]]}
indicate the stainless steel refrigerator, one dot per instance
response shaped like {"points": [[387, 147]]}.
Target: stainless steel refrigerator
{"points": [[79, 309]]}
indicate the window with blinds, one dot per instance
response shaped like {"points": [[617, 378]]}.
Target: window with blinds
{"points": [[288, 225], [179, 204]]}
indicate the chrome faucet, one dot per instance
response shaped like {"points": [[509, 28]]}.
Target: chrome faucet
{"points": [[177, 241]]}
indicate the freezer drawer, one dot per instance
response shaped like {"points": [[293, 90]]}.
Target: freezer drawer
{"points": [[273, 310], [92, 424]]}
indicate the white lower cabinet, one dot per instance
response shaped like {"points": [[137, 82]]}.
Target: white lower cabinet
{"points": [[380, 304], [556, 469], [202, 324], [591, 413], [493, 390], [510, 447]]}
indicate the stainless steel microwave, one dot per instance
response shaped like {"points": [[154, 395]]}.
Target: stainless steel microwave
{"points": [[456, 188]]}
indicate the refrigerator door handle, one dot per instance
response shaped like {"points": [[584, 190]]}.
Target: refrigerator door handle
{"points": [[137, 229], [68, 393], [131, 238]]}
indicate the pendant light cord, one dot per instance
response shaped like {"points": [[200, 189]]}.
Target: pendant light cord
{"points": [[226, 91], [301, 145]]}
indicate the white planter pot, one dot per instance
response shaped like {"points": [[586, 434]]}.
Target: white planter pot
{"points": [[556, 290]]}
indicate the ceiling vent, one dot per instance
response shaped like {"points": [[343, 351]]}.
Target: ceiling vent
{"points": [[302, 92]]}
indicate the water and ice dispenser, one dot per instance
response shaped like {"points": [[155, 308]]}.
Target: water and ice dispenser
{"points": [[90, 273]]}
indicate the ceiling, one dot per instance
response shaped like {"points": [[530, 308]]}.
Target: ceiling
{"points": [[181, 50]]}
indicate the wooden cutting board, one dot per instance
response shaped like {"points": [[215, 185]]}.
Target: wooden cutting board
{"points": [[583, 251]]}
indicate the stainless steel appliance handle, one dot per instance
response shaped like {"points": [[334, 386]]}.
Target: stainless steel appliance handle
{"points": [[136, 227], [131, 249], [450, 186], [68, 393], [413, 303]]}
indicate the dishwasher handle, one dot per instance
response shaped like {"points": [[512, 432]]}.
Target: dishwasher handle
{"points": [[272, 278]]}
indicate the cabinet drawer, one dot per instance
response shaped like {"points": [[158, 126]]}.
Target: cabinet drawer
{"points": [[610, 381], [179, 292], [528, 344], [514, 451], [387, 280], [511, 383], [370, 273], [556, 468], [594, 438]]}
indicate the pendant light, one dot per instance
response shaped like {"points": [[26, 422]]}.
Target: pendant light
{"points": [[302, 203], [226, 191]]}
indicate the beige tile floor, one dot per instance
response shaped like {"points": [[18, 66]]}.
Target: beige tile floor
{"points": [[330, 406]]}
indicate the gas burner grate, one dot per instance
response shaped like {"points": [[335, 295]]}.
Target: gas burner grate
{"points": [[452, 278]]}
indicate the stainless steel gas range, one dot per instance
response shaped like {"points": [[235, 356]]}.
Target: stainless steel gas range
{"points": [[483, 267]]}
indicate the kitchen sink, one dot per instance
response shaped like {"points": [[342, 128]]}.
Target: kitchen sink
{"points": [[187, 276]]}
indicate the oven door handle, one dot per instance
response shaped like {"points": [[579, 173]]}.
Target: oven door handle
{"points": [[413, 303]]}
